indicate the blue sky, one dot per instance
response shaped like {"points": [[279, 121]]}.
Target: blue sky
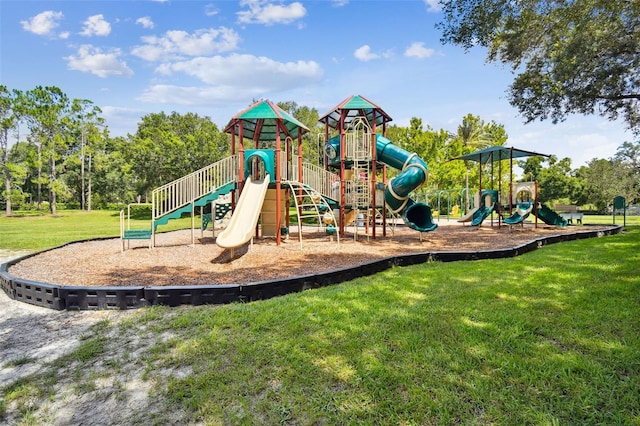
{"points": [[133, 58]]}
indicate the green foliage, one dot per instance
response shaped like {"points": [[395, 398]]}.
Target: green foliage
{"points": [[556, 181], [167, 147], [604, 179], [570, 57]]}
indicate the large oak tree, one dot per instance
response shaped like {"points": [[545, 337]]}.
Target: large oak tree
{"points": [[573, 56]]}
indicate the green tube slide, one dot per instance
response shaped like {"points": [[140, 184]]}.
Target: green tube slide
{"points": [[414, 173]]}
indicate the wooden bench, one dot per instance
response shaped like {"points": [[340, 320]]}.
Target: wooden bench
{"points": [[569, 212]]}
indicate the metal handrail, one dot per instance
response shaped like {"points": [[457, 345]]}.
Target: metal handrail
{"points": [[187, 189], [321, 180]]}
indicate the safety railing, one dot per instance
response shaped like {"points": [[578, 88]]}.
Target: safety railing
{"points": [[180, 192], [323, 181]]}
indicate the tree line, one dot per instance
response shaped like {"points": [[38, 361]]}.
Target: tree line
{"points": [[58, 150]]}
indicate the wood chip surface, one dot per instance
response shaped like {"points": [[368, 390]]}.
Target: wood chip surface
{"points": [[176, 262]]}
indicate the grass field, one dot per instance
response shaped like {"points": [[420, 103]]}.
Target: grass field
{"points": [[38, 232], [548, 338]]}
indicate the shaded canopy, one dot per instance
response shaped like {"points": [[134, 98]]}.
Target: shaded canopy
{"points": [[497, 153], [260, 123], [355, 106]]}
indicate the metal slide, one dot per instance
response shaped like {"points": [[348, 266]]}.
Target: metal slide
{"points": [[243, 222], [414, 174]]}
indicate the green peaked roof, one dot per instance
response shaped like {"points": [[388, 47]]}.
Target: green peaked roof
{"points": [[260, 122], [355, 106]]}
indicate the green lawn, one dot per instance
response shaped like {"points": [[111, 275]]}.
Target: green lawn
{"points": [[608, 220], [548, 338], [43, 231]]}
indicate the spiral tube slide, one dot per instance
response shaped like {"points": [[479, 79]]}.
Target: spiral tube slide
{"points": [[413, 174]]}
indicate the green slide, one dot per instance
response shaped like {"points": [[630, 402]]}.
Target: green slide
{"points": [[549, 217], [486, 208], [416, 215], [481, 214]]}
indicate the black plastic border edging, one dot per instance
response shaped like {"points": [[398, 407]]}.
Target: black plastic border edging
{"points": [[91, 298]]}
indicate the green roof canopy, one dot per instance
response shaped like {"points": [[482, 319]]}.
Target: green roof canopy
{"points": [[497, 153], [260, 123], [355, 106]]}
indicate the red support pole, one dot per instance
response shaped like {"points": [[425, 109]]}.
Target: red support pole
{"points": [[277, 180], [241, 157], [233, 152], [342, 172], [374, 173]]}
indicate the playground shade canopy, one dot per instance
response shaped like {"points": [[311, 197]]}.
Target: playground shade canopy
{"points": [[352, 107], [263, 120], [497, 153]]}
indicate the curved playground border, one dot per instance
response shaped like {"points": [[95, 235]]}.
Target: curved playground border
{"points": [[60, 297]]}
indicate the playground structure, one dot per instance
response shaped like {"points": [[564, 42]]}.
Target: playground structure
{"points": [[265, 176], [263, 181], [454, 199], [259, 186], [517, 211]]}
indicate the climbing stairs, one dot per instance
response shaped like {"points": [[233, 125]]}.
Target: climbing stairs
{"points": [[183, 195]]}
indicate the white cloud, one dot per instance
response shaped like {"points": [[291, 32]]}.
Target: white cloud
{"points": [[433, 5], [121, 120], [211, 10], [176, 44], [197, 95], [103, 64], [96, 25], [264, 12], [43, 23], [364, 53], [261, 73], [339, 3], [145, 21], [417, 50]]}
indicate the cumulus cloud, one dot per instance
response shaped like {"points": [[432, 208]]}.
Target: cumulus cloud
{"points": [[417, 50], [365, 54], [43, 23], [433, 5], [103, 64], [177, 44], [267, 13], [96, 25], [145, 21], [247, 70]]}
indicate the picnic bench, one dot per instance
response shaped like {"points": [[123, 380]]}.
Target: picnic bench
{"points": [[569, 212]]}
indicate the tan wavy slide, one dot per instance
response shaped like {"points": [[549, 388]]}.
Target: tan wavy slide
{"points": [[243, 222]]}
